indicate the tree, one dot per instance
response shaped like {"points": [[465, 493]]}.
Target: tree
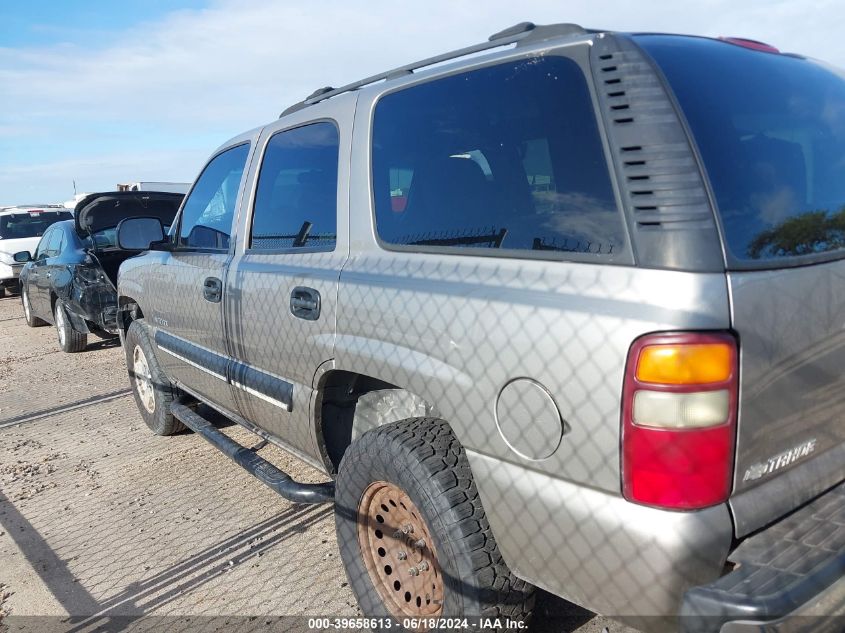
{"points": [[811, 232]]}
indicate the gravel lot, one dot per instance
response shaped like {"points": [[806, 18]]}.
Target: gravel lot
{"points": [[103, 521]]}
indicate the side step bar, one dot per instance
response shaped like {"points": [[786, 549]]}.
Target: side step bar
{"points": [[254, 464]]}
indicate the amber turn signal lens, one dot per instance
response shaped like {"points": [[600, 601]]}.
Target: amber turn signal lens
{"points": [[685, 364]]}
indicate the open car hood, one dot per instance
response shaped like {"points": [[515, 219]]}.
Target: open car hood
{"points": [[99, 211]]}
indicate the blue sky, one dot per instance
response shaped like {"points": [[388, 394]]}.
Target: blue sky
{"points": [[103, 92], [36, 22]]}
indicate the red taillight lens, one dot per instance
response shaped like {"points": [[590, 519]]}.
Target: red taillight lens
{"points": [[679, 419]]}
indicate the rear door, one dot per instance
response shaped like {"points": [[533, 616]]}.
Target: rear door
{"points": [[186, 299], [281, 289]]}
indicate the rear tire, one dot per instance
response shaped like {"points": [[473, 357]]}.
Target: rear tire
{"points": [[31, 319], [420, 461], [152, 390], [70, 340]]}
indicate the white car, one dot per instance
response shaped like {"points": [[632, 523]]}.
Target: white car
{"points": [[20, 230]]}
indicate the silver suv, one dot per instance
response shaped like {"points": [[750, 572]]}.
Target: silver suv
{"points": [[569, 314]]}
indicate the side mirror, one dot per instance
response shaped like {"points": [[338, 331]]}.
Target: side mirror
{"points": [[22, 257], [137, 234]]}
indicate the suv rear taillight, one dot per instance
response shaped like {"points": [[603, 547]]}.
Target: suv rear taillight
{"points": [[679, 407]]}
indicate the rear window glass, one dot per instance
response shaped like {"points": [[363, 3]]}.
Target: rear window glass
{"points": [[771, 132], [29, 223], [506, 157], [107, 238]]}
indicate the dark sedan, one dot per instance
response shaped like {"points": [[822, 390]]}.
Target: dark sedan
{"points": [[71, 280]]}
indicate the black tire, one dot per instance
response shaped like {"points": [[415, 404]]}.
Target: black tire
{"points": [[157, 386], [70, 340], [29, 317], [2, 292], [422, 457]]}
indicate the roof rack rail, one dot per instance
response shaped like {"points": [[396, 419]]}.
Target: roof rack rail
{"points": [[522, 33]]}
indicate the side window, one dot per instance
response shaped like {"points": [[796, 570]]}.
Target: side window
{"points": [[210, 208], [44, 244], [296, 198], [61, 243], [53, 247], [506, 157]]}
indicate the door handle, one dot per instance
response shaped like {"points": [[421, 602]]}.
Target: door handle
{"points": [[305, 303], [212, 289]]}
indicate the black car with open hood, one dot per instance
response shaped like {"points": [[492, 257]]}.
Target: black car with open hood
{"points": [[72, 277], [99, 212]]}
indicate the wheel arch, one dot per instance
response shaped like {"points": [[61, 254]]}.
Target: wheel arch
{"points": [[347, 404], [128, 310]]}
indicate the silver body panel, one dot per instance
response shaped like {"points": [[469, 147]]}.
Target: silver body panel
{"points": [[456, 331], [262, 331], [595, 548], [791, 325], [192, 318]]}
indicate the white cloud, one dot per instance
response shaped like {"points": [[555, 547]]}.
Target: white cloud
{"points": [[200, 75]]}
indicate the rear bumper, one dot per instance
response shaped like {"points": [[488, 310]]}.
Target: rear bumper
{"points": [[824, 614], [94, 303], [9, 274], [789, 577], [595, 548]]}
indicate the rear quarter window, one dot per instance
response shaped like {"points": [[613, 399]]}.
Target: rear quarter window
{"points": [[504, 159], [771, 132]]}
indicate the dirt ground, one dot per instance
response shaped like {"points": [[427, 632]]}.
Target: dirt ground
{"points": [[102, 522]]}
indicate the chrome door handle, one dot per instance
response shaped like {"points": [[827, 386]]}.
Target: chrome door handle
{"points": [[212, 289], [305, 303]]}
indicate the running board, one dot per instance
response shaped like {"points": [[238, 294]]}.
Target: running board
{"points": [[254, 464]]}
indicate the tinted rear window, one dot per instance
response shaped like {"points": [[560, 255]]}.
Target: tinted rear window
{"points": [[771, 131], [506, 157], [29, 223]]}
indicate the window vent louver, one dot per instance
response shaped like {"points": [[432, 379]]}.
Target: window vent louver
{"points": [[658, 174]]}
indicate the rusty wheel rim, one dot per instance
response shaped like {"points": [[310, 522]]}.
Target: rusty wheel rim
{"points": [[399, 552]]}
